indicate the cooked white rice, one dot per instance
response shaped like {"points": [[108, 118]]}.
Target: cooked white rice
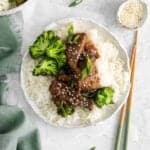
{"points": [[113, 71]]}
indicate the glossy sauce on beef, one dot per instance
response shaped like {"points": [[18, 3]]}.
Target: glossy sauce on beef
{"points": [[68, 87]]}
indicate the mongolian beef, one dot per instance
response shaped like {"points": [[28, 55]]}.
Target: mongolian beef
{"points": [[72, 63], [67, 88]]}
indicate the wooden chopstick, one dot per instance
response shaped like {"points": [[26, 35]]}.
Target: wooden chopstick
{"points": [[126, 109], [130, 100]]}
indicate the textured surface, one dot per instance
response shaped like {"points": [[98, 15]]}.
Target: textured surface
{"points": [[102, 136], [10, 43], [14, 123]]}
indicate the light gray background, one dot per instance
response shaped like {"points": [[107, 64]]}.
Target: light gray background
{"points": [[102, 136]]}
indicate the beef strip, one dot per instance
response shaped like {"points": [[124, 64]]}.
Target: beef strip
{"points": [[91, 50], [76, 58], [74, 51], [90, 83], [61, 88], [61, 92], [65, 78]]}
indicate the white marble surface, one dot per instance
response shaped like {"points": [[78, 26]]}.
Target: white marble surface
{"points": [[101, 136]]}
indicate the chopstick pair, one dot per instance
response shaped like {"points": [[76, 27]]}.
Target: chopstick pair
{"points": [[124, 122]]}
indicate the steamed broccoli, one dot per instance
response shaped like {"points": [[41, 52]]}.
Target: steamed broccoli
{"points": [[51, 46], [104, 96], [39, 47], [65, 110], [46, 67], [56, 50]]}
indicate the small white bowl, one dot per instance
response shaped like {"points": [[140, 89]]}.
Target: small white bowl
{"points": [[144, 16], [21, 7]]}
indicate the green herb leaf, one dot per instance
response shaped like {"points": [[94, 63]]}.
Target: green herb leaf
{"points": [[75, 3], [86, 110], [84, 73], [89, 65], [93, 148], [75, 39], [88, 69], [70, 29], [72, 38], [89, 95], [70, 33]]}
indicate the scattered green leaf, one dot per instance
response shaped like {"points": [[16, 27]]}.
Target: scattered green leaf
{"points": [[93, 148], [75, 3]]}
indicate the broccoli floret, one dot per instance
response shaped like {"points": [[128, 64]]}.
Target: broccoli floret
{"points": [[61, 60], [56, 50], [56, 45], [104, 96], [51, 46], [46, 67], [65, 110], [39, 47]]}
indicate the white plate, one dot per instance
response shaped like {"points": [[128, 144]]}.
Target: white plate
{"points": [[108, 37]]}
